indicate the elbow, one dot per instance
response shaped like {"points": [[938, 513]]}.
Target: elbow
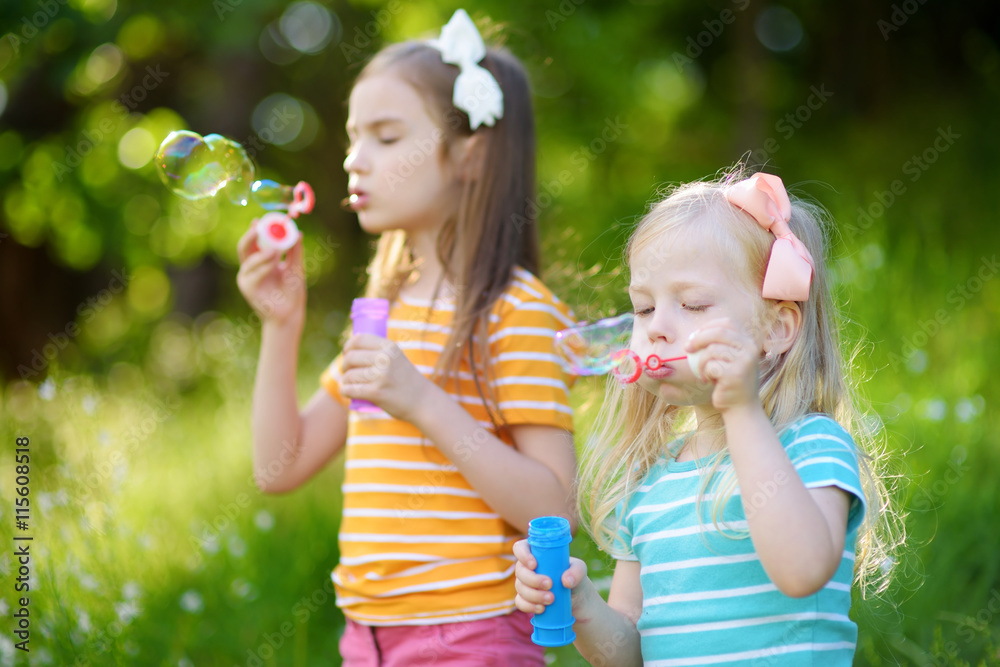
{"points": [[799, 588], [270, 485], [265, 485], [805, 582]]}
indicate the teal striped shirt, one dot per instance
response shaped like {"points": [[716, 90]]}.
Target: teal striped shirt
{"points": [[706, 597]]}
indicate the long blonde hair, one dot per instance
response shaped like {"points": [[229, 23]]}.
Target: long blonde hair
{"points": [[634, 426], [494, 229]]}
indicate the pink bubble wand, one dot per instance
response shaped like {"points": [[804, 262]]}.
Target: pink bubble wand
{"points": [[652, 363], [604, 347]]}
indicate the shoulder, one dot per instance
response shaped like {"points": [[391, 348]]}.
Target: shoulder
{"points": [[815, 435], [649, 483], [815, 427], [528, 298]]}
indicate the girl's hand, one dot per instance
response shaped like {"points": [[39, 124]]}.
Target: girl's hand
{"points": [[375, 369], [730, 361], [275, 289], [533, 589]]}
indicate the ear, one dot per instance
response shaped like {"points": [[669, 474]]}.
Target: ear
{"points": [[466, 154], [786, 322]]}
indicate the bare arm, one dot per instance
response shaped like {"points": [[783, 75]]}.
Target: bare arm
{"points": [[606, 632], [798, 533], [534, 478], [289, 447]]}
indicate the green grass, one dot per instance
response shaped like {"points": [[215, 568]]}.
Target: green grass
{"points": [[153, 547]]}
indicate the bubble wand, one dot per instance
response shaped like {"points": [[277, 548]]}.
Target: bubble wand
{"points": [[197, 167], [603, 347]]}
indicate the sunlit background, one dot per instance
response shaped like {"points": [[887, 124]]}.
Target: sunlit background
{"points": [[127, 355]]}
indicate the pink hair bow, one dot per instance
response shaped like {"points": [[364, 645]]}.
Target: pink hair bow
{"points": [[789, 270]]}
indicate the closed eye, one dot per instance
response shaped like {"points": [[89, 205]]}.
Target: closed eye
{"points": [[640, 312], [695, 308]]}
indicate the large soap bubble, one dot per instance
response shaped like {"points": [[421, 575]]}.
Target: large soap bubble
{"points": [[197, 167]]}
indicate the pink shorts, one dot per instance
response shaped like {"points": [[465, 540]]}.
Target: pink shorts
{"points": [[501, 641]]}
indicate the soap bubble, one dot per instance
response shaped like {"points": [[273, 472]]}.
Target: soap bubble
{"points": [[237, 166], [272, 196], [185, 165], [197, 167], [603, 347], [595, 349]]}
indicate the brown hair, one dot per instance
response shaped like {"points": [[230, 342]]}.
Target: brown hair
{"points": [[494, 228]]}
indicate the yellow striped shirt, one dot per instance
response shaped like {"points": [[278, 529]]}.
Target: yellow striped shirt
{"points": [[418, 546]]}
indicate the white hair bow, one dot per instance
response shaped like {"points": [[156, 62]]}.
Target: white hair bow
{"points": [[477, 93]]}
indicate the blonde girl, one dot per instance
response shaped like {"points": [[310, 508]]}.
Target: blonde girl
{"points": [[734, 492]]}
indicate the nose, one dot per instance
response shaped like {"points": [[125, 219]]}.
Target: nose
{"points": [[661, 327], [356, 160]]}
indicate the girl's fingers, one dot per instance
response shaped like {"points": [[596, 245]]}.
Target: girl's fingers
{"points": [[534, 598], [357, 377], [526, 606], [355, 359], [529, 578], [364, 341], [714, 359], [715, 334], [260, 258], [293, 258], [256, 268], [523, 554], [575, 574], [248, 242]]}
